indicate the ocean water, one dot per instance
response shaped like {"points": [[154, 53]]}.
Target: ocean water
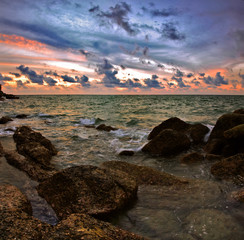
{"points": [[62, 119]]}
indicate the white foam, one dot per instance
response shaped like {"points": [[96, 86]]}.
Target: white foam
{"points": [[87, 121], [208, 134]]}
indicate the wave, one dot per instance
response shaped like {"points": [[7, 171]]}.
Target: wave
{"points": [[132, 122], [90, 121], [208, 134]]}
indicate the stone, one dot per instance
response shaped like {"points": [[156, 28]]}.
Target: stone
{"points": [[126, 153], [103, 127], [171, 123], [5, 119], [168, 142], [198, 132], [35, 171], [21, 116], [212, 224], [88, 189], [231, 168], [1, 150], [144, 175], [239, 111], [236, 132], [192, 158], [238, 195], [213, 157], [33, 145]]}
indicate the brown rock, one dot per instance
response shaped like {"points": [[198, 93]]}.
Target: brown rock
{"points": [[213, 157], [192, 158], [144, 175], [1, 150], [21, 116], [33, 145], [35, 171], [168, 142], [103, 127], [171, 123], [4, 120], [126, 153], [235, 132], [198, 132], [239, 111], [87, 189], [231, 168], [238, 195]]}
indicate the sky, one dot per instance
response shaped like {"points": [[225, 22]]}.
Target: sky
{"points": [[122, 47]]}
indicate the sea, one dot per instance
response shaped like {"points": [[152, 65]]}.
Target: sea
{"points": [[63, 119]]}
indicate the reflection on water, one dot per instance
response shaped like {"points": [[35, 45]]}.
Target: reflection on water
{"points": [[199, 211]]}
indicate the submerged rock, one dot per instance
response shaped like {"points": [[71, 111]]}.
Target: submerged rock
{"points": [[167, 142], [87, 189], [103, 127], [21, 116], [173, 123], [5, 119], [144, 175], [126, 153], [231, 168], [192, 158], [34, 146], [211, 224]]}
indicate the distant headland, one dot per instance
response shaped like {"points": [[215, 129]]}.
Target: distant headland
{"points": [[4, 96]]}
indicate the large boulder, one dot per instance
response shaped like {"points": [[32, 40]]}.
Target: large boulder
{"points": [[34, 146], [231, 168], [144, 175], [88, 189], [5, 119], [171, 123], [35, 171], [197, 132], [167, 142], [222, 139]]}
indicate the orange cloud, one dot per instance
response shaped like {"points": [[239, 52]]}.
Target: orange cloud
{"points": [[22, 42]]}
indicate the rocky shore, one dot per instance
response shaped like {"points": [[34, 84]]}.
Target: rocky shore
{"points": [[86, 197], [4, 96]]}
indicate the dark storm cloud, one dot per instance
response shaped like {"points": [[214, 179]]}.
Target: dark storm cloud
{"points": [[189, 75], [180, 82], [179, 73], [170, 31], [50, 81], [86, 53], [32, 75], [43, 34], [218, 80], [84, 81], [153, 82], [202, 74], [20, 84], [195, 82], [242, 79], [234, 83], [2, 78], [52, 73], [69, 79], [117, 15], [15, 74]]}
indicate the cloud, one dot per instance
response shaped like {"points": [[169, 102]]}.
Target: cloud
{"points": [[2, 78], [242, 79], [195, 82], [15, 74], [180, 82], [117, 15], [32, 75], [52, 73], [153, 82], [179, 73], [166, 12], [218, 80], [170, 31], [86, 53], [20, 84], [50, 81], [202, 74], [84, 81], [69, 79], [189, 75]]}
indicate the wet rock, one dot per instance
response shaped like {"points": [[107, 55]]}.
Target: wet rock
{"points": [[1, 150], [238, 195], [239, 111], [2, 99], [21, 116], [10, 96], [103, 127], [144, 175], [235, 133], [167, 142], [34, 146], [219, 141], [231, 168], [192, 158], [5, 119], [171, 123], [213, 157], [198, 132], [89, 126], [211, 224], [35, 170], [87, 189], [126, 153]]}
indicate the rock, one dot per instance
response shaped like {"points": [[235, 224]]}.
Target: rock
{"points": [[239, 111], [103, 127], [171, 123], [34, 146], [10, 96], [144, 175], [21, 116], [231, 168], [238, 195], [89, 126], [1, 150], [35, 170], [211, 224], [87, 189], [2, 99], [192, 158], [213, 157], [5, 119], [236, 132], [198, 132], [126, 153], [168, 142]]}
